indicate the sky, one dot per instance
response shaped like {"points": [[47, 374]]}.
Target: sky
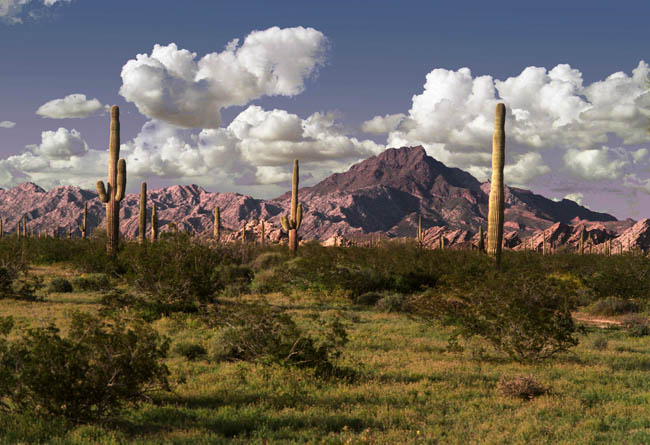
{"points": [[227, 94]]}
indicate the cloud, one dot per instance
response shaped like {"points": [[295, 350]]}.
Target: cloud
{"points": [[254, 154], [547, 110], [170, 85], [60, 145], [527, 167], [12, 11], [7, 124], [71, 106], [382, 124], [575, 197], [597, 164]]}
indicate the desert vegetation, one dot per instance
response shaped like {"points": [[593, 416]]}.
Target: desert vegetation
{"points": [[190, 341]]}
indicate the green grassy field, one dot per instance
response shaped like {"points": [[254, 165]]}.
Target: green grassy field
{"points": [[406, 388]]}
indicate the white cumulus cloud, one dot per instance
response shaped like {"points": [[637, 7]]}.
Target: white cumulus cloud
{"points": [[575, 197], [595, 164], [382, 124], [171, 85], [7, 124], [526, 168], [71, 106], [453, 118], [60, 144]]}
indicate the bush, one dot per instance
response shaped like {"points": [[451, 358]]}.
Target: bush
{"points": [[60, 284], [89, 375], [521, 387], [612, 306], [393, 303], [233, 279], [368, 299], [520, 313], [600, 344], [189, 350], [259, 332], [92, 283], [636, 325]]}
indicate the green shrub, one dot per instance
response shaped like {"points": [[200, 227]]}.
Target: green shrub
{"points": [[600, 343], [60, 284], [93, 283], [89, 375], [189, 350], [233, 279], [520, 313], [612, 306], [393, 303], [260, 332], [368, 299]]}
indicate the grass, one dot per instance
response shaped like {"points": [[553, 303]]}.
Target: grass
{"points": [[407, 389]]}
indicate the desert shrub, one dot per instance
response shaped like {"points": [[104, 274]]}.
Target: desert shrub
{"points": [[86, 376], [93, 282], [116, 300], [393, 303], [176, 271], [189, 350], [268, 260], [19, 286], [233, 279], [622, 276], [521, 387], [368, 298], [522, 314], [612, 306], [60, 284], [636, 325], [259, 332], [600, 343]]}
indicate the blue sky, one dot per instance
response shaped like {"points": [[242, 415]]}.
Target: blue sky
{"points": [[572, 131]]}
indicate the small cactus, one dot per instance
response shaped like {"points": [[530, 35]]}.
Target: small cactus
{"points": [[262, 234], [2, 232], [142, 216], [544, 248], [581, 245], [292, 224], [115, 188], [24, 226], [420, 234], [217, 223], [442, 242], [84, 222], [481, 240], [154, 223], [495, 210]]}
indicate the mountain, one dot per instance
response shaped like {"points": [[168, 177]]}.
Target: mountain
{"points": [[383, 194]]}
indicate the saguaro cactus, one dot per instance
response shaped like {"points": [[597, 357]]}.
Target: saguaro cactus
{"points": [[495, 211], [154, 223], [442, 242], [420, 235], [24, 226], [481, 241], [544, 248], [217, 223], [84, 222], [142, 217], [582, 242], [115, 188], [292, 224], [262, 234], [2, 231]]}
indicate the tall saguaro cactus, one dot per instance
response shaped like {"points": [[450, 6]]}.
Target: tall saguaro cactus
{"points": [[115, 188], [84, 222], [154, 223], [495, 211], [481, 241], [2, 231], [582, 242], [262, 234], [292, 224], [217, 223], [142, 217]]}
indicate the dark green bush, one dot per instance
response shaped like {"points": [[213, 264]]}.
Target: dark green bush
{"points": [[522, 314], [233, 279], [189, 350], [612, 306], [60, 284], [93, 283], [86, 376], [368, 299], [260, 332], [393, 303]]}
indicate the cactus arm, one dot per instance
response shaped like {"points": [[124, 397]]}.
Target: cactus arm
{"points": [[284, 222], [294, 191], [298, 216], [101, 191], [121, 180]]}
